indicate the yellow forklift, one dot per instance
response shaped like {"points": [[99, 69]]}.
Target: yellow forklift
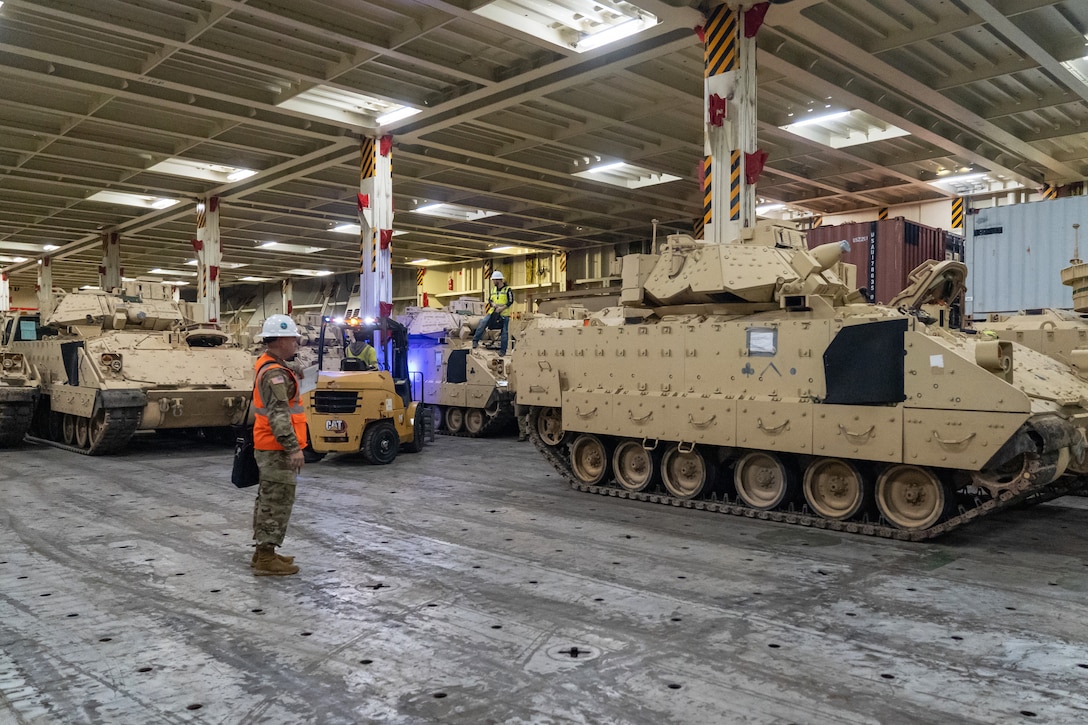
{"points": [[356, 410]]}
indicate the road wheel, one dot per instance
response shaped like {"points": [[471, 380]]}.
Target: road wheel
{"points": [[83, 431], [475, 419], [765, 481], [686, 473], [455, 419], [68, 429], [636, 468], [380, 443], [835, 489], [912, 497], [548, 423], [589, 459]]}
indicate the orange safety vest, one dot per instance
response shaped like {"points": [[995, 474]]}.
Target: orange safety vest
{"points": [[263, 440]]}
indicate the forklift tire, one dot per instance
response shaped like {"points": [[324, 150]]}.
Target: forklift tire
{"points": [[417, 433], [309, 455], [380, 443]]}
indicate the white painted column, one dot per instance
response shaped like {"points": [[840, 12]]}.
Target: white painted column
{"points": [[209, 256], [376, 227], [45, 288], [730, 101], [287, 293], [110, 272], [5, 293]]}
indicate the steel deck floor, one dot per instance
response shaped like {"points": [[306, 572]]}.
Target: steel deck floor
{"points": [[467, 584]]}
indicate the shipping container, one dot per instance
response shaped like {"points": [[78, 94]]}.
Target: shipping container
{"points": [[1016, 254], [886, 251]]}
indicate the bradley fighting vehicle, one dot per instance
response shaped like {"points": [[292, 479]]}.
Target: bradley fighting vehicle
{"points": [[751, 381], [112, 363], [19, 386], [470, 389], [1060, 334]]}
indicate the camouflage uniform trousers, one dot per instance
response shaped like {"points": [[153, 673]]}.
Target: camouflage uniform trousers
{"points": [[275, 497]]}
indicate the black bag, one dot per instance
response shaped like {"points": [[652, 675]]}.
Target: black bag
{"points": [[245, 472]]}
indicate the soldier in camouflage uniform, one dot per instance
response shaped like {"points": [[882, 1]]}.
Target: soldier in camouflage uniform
{"points": [[279, 435]]}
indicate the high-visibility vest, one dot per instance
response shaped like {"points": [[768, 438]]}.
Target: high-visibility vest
{"points": [[504, 296], [263, 440]]}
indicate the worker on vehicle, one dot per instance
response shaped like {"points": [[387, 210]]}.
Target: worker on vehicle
{"points": [[502, 299], [362, 351], [279, 435]]}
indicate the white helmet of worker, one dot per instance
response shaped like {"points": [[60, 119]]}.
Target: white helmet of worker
{"points": [[496, 276], [279, 326]]}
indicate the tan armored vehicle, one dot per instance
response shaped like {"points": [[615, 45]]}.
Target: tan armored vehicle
{"points": [[115, 363], [758, 384], [470, 389], [1061, 334], [19, 386]]}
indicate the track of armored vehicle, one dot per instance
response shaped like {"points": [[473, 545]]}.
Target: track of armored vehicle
{"points": [[547, 435], [750, 381]]}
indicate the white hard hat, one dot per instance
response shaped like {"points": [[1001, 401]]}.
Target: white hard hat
{"points": [[279, 326], [496, 275]]}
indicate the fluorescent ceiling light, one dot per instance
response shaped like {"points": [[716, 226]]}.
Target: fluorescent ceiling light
{"points": [[628, 176], [764, 208], [205, 170], [826, 118], [141, 200], [454, 211], [512, 250], [425, 262], [307, 272], [398, 115], [12, 260], [345, 106], [294, 248], [223, 265], [607, 167], [979, 182], [841, 129], [255, 279], [49, 247], [172, 272], [578, 24], [25, 247], [959, 179], [614, 33], [357, 230]]}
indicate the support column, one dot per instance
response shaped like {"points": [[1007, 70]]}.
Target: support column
{"points": [[287, 292], [209, 256], [421, 296], [5, 293], [110, 272], [45, 288], [375, 203], [732, 161]]}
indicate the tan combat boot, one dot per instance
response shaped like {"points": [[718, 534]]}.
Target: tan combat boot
{"points": [[282, 557], [268, 564]]}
